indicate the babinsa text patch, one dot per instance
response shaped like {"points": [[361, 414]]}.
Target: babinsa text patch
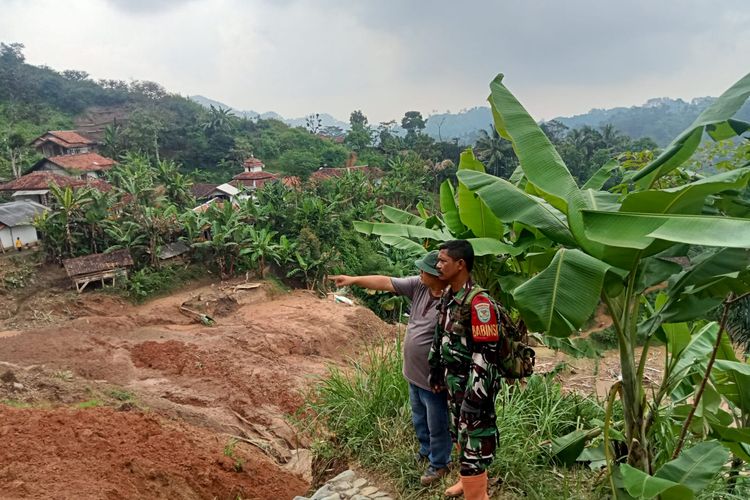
{"points": [[483, 320]]}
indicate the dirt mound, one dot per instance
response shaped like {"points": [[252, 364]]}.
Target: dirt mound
{"points": [[102, 453], [242, 376]]}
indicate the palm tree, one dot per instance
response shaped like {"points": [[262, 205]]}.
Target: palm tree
{"points": [[219, 120], [495, 152]]}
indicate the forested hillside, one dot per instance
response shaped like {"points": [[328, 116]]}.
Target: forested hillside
{"points": [[142, 116]]}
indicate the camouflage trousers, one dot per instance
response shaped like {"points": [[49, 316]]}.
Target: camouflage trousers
{"points": [[475, 433]]}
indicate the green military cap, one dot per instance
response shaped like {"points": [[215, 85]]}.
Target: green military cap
{"points": [[428, 263]]}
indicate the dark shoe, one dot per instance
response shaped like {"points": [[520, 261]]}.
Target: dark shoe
{"points": [[432, 475]]}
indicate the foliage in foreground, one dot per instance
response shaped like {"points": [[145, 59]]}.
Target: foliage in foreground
{"points": [[362, 413]]}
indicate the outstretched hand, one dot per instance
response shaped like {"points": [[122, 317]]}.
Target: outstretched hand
{"points": [[342, 279]]}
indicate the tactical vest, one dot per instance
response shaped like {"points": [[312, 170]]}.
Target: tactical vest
{"points": [[512, 356]]}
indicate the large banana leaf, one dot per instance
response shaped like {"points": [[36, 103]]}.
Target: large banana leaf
{"points": [[539, 159], [715, 119], [679, 479], [687, 199], [491, 246], [561, 298], [733, 381], [639, 230], [588, 200], [450, 209], [601, 176], [404, 244], [472, 210], [399, 216], [405, 230], [511, 204]]}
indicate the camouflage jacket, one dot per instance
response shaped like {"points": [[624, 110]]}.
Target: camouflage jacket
{"points": [[466, 344]]}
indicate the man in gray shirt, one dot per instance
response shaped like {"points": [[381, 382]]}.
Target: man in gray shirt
{"points": [[429, 409]]}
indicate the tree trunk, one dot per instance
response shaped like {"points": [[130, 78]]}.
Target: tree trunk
{"points": [[634, 408]]}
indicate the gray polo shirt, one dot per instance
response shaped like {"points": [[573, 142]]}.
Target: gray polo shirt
{"points": [[420, 329]]}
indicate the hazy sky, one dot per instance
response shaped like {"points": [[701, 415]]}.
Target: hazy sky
{"points": [[560, 57]]}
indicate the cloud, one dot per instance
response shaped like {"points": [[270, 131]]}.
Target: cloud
{"points": [[387, 57], [147, 6]]}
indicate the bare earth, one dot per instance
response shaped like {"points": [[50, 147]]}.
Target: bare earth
{"points": [[103, 399], [165, 392]]}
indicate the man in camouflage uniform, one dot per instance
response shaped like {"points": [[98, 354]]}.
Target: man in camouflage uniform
{"points": [[464, 357]]}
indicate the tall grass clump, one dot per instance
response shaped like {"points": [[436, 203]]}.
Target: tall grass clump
{"points": [[361, 413], [528, 418]]}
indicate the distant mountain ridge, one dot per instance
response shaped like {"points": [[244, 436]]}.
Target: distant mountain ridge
{"points": [[661, 119], [325, 119]]}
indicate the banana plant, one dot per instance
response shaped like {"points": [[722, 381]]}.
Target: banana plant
{"points": [[613, 247]]}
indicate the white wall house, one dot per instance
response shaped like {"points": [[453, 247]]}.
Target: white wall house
{"points": [[17, 221]]}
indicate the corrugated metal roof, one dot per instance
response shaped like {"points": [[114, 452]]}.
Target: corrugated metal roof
{"points": [[228, 189], [19, 213]]}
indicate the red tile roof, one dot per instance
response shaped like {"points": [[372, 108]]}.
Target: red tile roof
{"points": [[65, 138], [324, 173], [252, 162], [254, 176], [291, 181], [42, 180], [84, 162], [201, 189]]}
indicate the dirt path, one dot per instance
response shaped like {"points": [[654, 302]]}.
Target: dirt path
{"points": [[200, 384]]}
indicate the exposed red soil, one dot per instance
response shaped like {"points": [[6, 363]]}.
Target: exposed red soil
{"points": [[199, 384], [102, 453]]}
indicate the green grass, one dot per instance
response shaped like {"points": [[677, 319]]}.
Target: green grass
{"points": [[149, 283], [362, 413]]}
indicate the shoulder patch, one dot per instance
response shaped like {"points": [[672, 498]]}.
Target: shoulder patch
{"points": [[484, 326]]}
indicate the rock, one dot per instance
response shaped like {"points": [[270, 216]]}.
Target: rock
{"points": [[360, 497], [359, 483], [300, 498], [341, 485], [323, 492], [344, 476], [335, 496], [351, 492], [369, 490], [379, 494], [17, 386], [300, 464]]}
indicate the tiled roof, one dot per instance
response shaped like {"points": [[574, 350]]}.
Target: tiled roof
{"points": [[252, 176], [252, 162], [291, 181], [66, 138], [42, 180], [84, 162], [201, 189], [324, 173]]}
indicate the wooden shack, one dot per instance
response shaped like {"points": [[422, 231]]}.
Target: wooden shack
{"points": [[98, 267]]}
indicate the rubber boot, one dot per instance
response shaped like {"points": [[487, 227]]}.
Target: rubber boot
{"points": [[456, 490], [475, 487]]}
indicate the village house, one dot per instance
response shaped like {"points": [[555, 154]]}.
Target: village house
{"points": [[70, 161], [17, 222], [68, 153], [203, 192], [253, 177], [62, 142], [325, 172]]}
